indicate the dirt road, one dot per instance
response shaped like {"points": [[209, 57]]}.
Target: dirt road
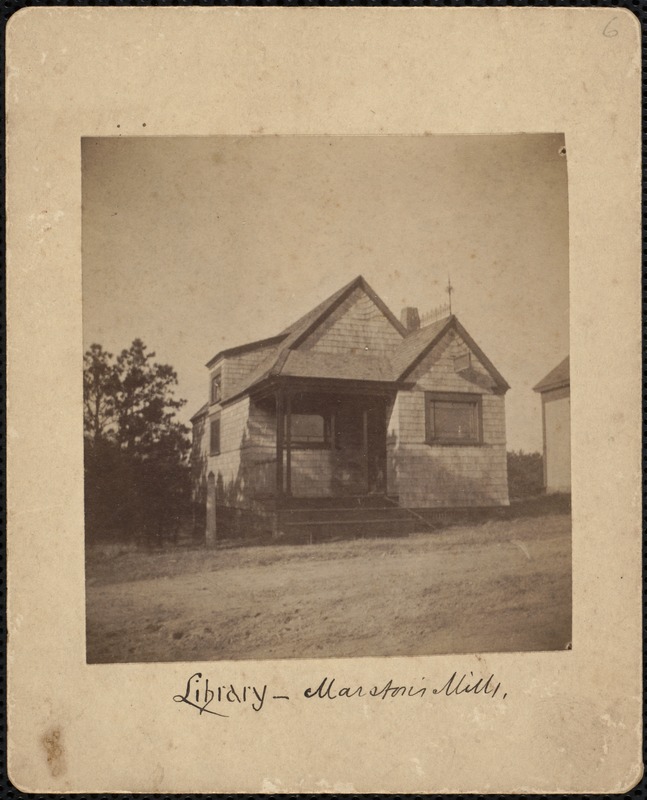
{"points": [[500, 586]]}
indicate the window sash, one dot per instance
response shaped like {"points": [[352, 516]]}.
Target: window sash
{"points": [[303, 432], [216, 386], [453, 418]]}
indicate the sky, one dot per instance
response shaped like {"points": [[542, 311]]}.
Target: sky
{"points": [[195, 244]]}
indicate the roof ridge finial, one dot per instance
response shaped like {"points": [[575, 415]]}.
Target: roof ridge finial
{"points": [[449, 291]]}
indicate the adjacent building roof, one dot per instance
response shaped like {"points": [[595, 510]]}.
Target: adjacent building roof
{"points": [[556, 379], [283, 358]]}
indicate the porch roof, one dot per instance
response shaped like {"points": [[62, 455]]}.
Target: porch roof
{"points": [[326, 365]]}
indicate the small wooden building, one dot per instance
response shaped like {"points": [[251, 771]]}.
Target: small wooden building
{"points": [[349, 415], [555, 390]]}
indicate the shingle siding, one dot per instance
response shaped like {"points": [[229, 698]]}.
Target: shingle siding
{"points": [[357, 326], [427, 476], [245, 468], [234, 368], [327, 472], [423, 475]]}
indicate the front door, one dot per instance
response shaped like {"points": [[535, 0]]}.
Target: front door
{"points": [[360, 446]]}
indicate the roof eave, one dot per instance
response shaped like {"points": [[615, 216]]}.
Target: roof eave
{"points": [[272, 379], [201, 412], [541, 388], [246, 348]]}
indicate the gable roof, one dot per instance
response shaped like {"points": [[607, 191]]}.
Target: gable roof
{"points": [[303, 327], [417, 345], [556, 378], [283, 357], [295, 334]]}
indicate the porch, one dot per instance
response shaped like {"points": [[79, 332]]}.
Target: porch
{"points": [[331, 443]]}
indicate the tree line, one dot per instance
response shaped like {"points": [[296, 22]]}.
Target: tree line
{"points": [[137, 482]]}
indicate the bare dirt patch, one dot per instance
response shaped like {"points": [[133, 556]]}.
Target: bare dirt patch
{"points": [[499, 586]]}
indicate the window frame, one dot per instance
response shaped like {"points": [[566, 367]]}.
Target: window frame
{"points": [[216, 380], [215, 420], [301, 444], [459, 398]]}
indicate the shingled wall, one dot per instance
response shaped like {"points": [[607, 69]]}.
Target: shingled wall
{"points": [[245, 467], [357, 326], [234, 368], [434, 475]]}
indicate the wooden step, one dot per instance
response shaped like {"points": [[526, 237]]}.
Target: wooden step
{"points": [[349, 501], [305, 515], [369, 525], [353, 522]]}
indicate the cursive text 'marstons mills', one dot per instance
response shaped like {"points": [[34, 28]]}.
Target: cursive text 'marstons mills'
{"points": [[454, 686]]}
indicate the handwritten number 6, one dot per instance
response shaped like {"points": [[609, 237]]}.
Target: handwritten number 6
{"points": [[610, 32]]}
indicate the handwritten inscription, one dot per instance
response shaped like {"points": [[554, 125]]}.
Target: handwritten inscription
{"points": [[218, 699], [455, 685], [198, 694]]}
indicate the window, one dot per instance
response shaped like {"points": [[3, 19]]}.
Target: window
{"points": [[309, 430], [216, 388], [453, 418], [463, 362], [214, 437]]}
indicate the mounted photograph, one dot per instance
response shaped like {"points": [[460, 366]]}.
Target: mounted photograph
{"points": [[326, 396]]}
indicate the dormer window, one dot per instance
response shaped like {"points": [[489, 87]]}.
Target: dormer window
{"points": [[216, 388]]}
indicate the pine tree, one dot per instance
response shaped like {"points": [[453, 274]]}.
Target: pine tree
{"points": [[137, 477]]}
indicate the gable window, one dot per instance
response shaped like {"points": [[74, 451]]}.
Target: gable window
{"points": [[453, 418], [214, 437], [216, 388]]}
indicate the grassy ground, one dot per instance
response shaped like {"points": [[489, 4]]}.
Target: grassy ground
{"points": [[504, 585]]}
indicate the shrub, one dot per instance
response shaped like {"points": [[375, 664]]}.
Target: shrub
{"points": [[525, 474]]}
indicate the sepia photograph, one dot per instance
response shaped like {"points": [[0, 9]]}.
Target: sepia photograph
{"points": [[326, 396], [339, 313]]}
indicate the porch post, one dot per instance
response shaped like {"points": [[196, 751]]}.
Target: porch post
{"points": [[279, 443], [288, 444], [365, 443], [211, 529]]}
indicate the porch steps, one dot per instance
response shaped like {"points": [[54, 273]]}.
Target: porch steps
{"points": [[323, 523]]}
